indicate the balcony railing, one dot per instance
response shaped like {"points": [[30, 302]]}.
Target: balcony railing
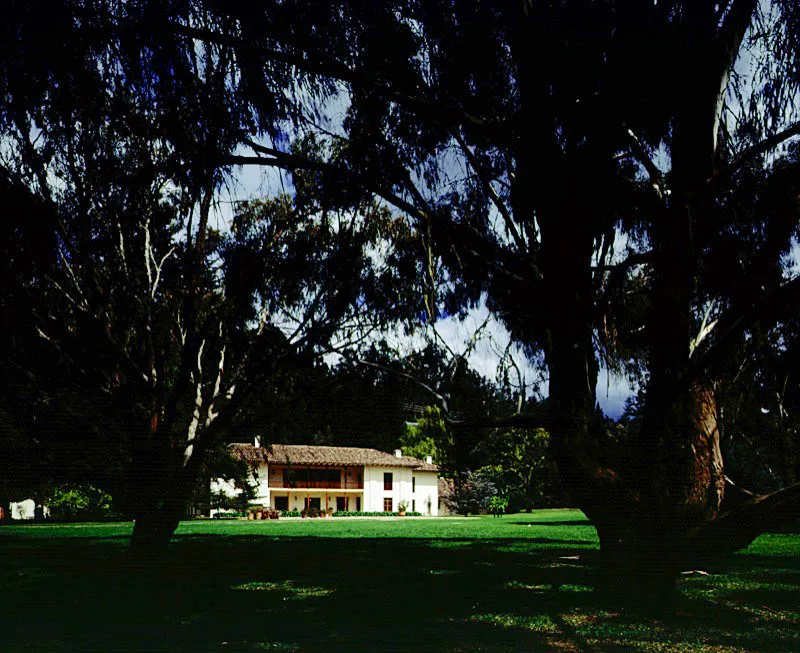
{"points": [[316, 485]]}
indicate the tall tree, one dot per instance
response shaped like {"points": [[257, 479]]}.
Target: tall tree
{"points": [[521, 141], [137, 328]]}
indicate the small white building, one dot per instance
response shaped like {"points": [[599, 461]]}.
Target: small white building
{"points": [[297, 477]]}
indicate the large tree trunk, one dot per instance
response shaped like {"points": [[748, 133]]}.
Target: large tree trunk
{"points": [[158, 491], [154, 526], [645, 512], [680, 487]]}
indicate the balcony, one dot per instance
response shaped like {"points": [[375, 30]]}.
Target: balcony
{"points": [[314, 485]]}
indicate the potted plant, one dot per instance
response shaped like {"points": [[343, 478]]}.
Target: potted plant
{"points": [[402, 507]]}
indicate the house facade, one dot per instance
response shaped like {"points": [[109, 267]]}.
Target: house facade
{"points": [[295, 477]]}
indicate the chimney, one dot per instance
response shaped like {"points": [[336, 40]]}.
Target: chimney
{"points": [[257, 442], [429, 460], [398, 453]]}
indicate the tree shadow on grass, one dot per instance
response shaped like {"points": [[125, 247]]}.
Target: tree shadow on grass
{"points": [[315, 594], [566, 522]]}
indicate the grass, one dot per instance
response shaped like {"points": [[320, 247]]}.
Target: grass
{"points": [[520, 583]]}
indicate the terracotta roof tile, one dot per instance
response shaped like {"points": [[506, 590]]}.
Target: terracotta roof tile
{"points": [[299, 454]]}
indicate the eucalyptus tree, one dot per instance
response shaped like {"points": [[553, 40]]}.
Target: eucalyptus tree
{"points": [[141, 322], [522, 141]]}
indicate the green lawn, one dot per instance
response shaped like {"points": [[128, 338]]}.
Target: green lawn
{"points": [[520, 583]]}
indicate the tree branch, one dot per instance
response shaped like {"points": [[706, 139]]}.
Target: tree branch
{"points": [[487, 184], [745, 521], [655, 173], [762, 147], [293, 162], [437, 110], [404, 375], [778, 304]]}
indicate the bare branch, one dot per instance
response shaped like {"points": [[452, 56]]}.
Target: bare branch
{"points": [[211, 415], [148, 253], [159, 266], [191, 434], [121, 247], [705, 329], [655, 173], [775, 305]]}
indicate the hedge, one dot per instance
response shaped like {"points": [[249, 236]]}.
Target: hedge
{"points": [[350, 513]]}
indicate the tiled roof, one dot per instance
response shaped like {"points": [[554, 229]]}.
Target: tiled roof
{"points": [[299, 454]]}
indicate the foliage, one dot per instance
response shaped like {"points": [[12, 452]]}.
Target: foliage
{"points": [[427, 436], [604, 215], [470, 494], [80, 503], [222, 501], [143, 332], [402, 505], [566, 159], [229, 515], [497, 505], [521, 468]]}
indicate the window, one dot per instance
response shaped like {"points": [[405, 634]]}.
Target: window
{"points": [[281, 503], [341, 503], [413, 505], [313, 503], [387, 504], [413, 484], [387, 481], [358, 504]]}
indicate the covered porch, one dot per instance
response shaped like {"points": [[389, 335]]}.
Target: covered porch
{"points": [[322, 500]]}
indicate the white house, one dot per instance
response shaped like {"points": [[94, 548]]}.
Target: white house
{"points": [[294, 477]]}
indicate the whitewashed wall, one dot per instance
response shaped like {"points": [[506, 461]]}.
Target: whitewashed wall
{"points": [[427, 487], [373, 496], [23, 509], [374, 493]]}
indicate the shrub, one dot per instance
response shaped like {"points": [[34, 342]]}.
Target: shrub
{"points": [[470, 494], [497, 505], [80, 502], [351, 513], [230, 515]]}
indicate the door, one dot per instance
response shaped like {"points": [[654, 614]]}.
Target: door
{"points": [[341, 504]]}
